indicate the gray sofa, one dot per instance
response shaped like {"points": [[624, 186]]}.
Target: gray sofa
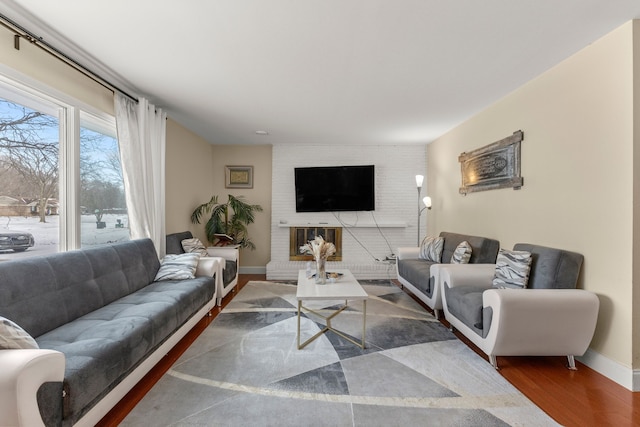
{"points": [[419, 277], [101, 309]]}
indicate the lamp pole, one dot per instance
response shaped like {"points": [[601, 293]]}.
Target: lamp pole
{"points": [[419, 180], [426, 200]]}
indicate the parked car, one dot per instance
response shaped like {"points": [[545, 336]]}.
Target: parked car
{"points": [[17, 241]]}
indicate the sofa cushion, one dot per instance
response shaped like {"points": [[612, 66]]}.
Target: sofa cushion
{"points": [[229, 273], [552, 268], [178, 267], [512, 269], [431, 248], [465, 304], [194, 245], [174, 242], [484, 250], [104, 346], [417, 272], [462, 254], [68, 285], [13, 336]]}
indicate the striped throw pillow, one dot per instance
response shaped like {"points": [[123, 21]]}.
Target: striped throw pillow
{"points": [[178, 267], [13, 336], [431, 248], [462, 254], [194, 245], [512, 269]]}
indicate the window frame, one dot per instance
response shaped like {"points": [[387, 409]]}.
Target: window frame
{"points": [[32, 93]]}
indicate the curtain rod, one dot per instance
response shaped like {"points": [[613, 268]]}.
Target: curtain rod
{"points": [[21, 32]]}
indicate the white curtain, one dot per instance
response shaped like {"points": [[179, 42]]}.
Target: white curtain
{"points": [[142, 136]]}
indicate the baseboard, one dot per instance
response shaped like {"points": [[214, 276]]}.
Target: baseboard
{"points": [[253, 270], [625, 376]]}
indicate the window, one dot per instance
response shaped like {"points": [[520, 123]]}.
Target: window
{"points": [[61, 177], [102, 204]]}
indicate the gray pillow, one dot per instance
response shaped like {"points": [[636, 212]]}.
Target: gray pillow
{"points": [[178, 267], [431, 248], [512, 269], [462, 254], [13, 336], [194, 245]]}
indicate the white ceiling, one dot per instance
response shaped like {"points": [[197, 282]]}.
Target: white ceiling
{"points": [[321, 71]]}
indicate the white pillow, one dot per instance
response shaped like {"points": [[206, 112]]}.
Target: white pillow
{"points": [[512, 269], [178, 267], [431, 248], [194, 245], [462, 254], [13, 336]]}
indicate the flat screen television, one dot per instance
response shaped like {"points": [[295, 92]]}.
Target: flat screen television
{"points": [[335, 188]]}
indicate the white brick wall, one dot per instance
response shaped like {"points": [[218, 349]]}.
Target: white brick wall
{"points": [[396, 202]]}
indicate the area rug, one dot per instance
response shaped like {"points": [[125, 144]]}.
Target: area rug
{"points": [[245, 370]]}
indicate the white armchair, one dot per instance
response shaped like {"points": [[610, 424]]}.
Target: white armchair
{"points": [[229, 257], [420, 276], [549, 318]]}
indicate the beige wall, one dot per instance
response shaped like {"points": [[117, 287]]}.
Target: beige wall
{"points": [[258, 156], [189, 178], [577, 164], [636, 194]]}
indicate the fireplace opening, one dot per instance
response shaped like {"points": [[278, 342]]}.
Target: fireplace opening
{"points": [[299, 236]]}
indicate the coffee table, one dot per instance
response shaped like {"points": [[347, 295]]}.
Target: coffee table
{"points": [[345, 288]]}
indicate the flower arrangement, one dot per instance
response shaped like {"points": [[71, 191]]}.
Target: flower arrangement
{"points": [[319, 248], [321, 251]]}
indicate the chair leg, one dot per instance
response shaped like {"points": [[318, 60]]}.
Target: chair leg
{"points": [[494, 361], [572, 363], [436, 314]]}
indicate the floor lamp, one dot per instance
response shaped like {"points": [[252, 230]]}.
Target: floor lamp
{"points": [[426, 200]]}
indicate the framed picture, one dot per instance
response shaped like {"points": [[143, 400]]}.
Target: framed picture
{"points": [[239, 176], [493, 166]]}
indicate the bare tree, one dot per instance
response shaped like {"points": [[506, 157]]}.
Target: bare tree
{"points": [[29, 146], [29, 149]]}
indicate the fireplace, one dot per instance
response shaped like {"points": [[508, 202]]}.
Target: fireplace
{"points": [[299, 236]]}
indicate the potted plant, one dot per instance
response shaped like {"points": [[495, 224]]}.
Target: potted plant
{"points": [[228, 221]]}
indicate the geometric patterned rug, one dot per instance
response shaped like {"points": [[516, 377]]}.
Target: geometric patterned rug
{"points": [[245, 370]]}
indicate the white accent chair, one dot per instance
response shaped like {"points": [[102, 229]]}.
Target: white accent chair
{"points": [[226, 262], [229, 268], [420, 276], [549, 318]]}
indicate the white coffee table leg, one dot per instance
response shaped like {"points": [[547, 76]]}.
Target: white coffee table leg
{"points": [[299, 308]]}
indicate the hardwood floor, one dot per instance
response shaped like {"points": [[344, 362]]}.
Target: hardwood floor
{"points": [[572, 398]]}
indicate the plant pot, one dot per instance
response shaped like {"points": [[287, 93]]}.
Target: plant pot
{"points": [[101, 224]]}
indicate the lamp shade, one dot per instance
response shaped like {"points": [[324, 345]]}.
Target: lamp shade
{"points": [[427, 202], [419, 180]]}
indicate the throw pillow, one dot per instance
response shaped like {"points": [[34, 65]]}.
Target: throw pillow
{"points": [[13, 336], [178, 267], [512, 269], [462, 254], [194, 245], [431, 248]]}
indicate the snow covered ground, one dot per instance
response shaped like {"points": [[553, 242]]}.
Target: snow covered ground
{"points": [[46, 235]]}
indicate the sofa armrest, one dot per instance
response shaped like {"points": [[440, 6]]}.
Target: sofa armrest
{"points": [[452, 275], [228, 253], [208, 266], [22, 374], [540, 322], [408, 253]]}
